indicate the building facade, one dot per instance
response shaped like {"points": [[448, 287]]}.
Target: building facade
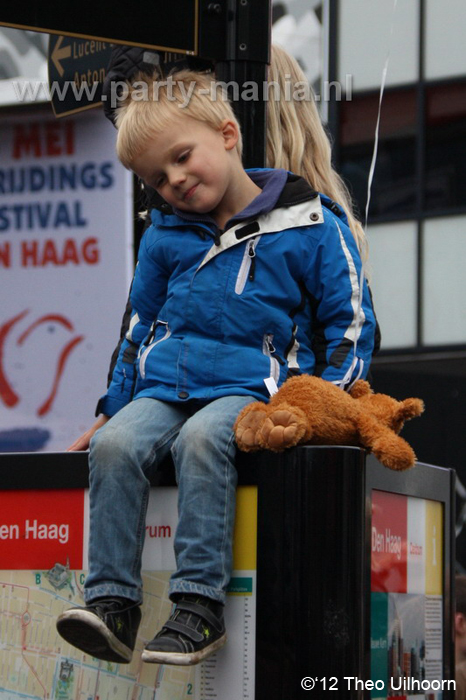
{"points": [[416, 223]]}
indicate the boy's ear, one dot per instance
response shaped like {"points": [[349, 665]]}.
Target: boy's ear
{"points": [[229, 131]]}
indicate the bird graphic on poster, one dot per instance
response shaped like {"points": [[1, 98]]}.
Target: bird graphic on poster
{"points": [[8, 394]]}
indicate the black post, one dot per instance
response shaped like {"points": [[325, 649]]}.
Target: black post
{"points": [[236, 34]]}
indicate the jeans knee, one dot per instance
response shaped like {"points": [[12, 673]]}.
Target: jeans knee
{"points": [[200, 457], [112, 449], [104, 443], [194, 439], [202, 441]]}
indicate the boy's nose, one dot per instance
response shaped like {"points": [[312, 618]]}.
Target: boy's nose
{"points": [[176, 177]]}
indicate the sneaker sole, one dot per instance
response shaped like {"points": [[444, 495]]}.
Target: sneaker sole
{"points": [[90, 634], [179, 659]]}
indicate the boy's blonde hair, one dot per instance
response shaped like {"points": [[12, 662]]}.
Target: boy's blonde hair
{"points": [[297, 141], [152, 103], [296, 138]]}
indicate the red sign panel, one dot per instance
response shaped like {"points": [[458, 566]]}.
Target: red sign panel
{"points": [[388, 542], [39, 529]]}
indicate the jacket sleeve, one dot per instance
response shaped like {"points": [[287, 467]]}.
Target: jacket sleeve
{"points": [[344, 321], [147, 296], [148, 198]]}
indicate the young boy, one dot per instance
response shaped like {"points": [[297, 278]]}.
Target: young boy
{"points": [[234, 276]]}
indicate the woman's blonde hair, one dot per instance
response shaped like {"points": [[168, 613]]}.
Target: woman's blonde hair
{"points": [[296, 138], [152, 103]]}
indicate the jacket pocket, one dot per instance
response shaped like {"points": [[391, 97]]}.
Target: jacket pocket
{"points": [[157, 327], [248, 264]]}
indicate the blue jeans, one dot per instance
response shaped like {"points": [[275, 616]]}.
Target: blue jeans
{"points": [[124, 453]]}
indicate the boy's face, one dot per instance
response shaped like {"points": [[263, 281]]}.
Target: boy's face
{"points": [[190, 164]]}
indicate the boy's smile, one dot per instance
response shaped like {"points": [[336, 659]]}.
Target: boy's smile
{"points": [[196, 168]]}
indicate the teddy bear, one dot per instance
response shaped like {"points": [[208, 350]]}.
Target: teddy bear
{"points": [[308, 409]]}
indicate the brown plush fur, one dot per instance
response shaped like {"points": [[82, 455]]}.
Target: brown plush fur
{"points": [[308, 409]]}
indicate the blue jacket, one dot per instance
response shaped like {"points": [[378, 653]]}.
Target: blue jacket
{"points": [[215, 315]]}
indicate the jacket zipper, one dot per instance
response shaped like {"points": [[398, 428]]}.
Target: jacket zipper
{"points": [[248, 265]]}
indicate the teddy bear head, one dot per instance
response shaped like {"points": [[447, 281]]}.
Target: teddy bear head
{"points": [[386, 409]]}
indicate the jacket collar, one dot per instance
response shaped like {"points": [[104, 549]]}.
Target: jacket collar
{"points": [[279, 189], [295, 191]]}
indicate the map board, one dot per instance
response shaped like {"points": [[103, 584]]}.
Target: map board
{"points": [[44, 536]]}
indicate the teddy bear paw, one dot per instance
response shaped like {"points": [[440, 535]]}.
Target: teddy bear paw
{"points": [[247, 430], [281, 429]]}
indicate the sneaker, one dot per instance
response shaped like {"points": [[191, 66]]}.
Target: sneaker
{"points": [[105, 629], [194, 631]]}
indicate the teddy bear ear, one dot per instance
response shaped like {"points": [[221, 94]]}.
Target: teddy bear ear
{"points": [[360, 388]]}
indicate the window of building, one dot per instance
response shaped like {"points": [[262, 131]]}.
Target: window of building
{"points": [[444, 282], [415, 174], [394, 186], [363, 42], [445, 161], [393, 257], [445, 47]]}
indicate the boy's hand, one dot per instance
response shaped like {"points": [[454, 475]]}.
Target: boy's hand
{"points": [[82, 443]]}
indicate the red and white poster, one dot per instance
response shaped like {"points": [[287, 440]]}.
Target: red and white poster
{"points": [[406, 597], [65, 269]]}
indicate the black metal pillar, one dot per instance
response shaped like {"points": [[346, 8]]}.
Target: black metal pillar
{"points": [[236, 33]]}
